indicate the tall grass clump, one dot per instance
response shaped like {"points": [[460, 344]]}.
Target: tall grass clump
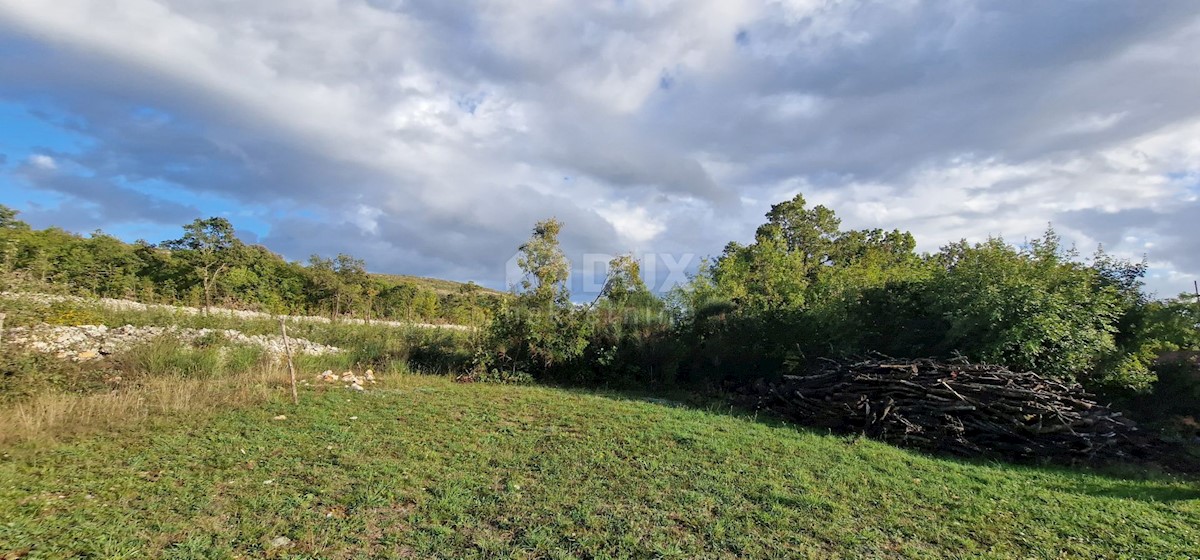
{"points": [[44, 397], [52, 415]]}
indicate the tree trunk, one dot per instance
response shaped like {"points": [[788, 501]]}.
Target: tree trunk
{"points": [[207, 293]]}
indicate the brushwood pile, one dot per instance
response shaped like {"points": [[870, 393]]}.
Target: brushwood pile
{"points": [[958, 408]]}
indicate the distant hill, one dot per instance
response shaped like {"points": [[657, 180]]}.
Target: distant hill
{"points": [[438, 285]]}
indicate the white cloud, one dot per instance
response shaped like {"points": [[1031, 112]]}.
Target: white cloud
{"points": [[433, 134], [43, 161], [633, 223]]}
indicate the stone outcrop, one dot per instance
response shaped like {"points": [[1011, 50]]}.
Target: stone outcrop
{"points": [[90, 342], [126, 305]]}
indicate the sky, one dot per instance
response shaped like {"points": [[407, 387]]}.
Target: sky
{"points": [[428, 137]]}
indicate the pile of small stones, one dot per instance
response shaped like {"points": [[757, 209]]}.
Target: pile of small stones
{"points": [[348, 378]]}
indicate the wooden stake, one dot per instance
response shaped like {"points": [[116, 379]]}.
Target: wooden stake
{"points": [[287, 348]]}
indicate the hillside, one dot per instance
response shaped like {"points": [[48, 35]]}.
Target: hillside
{"points": [[436, 285], [428, 468], [209, 266]]}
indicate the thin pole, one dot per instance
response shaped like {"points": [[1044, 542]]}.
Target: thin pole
{"points": [[2, 329], [287, 348]]}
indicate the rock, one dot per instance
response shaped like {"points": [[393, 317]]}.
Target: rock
{"points": [[280, 541], [126, 305], [357, 387], [328, 376], [87, 355], [280, 417], [90, 342]]}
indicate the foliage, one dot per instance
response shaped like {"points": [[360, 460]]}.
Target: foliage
{"points": [[1176, 390], [208, 247], [545, 267], [1031, 309], [633, 340], [538, 332], [805, 290], [209, 266]]}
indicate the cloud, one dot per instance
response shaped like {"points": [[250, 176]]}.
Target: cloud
{"points": [[428, 136], [44, 162], [99, 201]]}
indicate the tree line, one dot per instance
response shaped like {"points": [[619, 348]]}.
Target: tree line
{"points": [[209, 265], [806, 289]]}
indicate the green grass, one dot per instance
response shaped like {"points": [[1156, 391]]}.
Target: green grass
{"points": [[28, 374], [429, 468]]}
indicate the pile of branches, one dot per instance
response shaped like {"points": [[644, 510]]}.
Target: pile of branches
{"points": [[958, 408]]}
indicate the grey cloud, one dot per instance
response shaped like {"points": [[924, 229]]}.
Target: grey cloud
{"points": [[878, 92], [112, 203], [943, 81], [1174, 230]]}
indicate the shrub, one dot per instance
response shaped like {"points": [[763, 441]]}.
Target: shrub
{"points": [[1176, 391]]}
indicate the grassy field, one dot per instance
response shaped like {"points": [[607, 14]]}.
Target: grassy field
{"points": [[421, 467], [43, 397], [185, 459]]}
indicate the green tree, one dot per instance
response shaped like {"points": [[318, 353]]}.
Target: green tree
{"points": [[545, 266], [807, 232], [1035, 308], [9, 221], [540, 331], [208, 247], [624, 286]]}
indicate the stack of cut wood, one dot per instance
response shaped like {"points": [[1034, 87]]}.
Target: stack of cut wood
{"points": [[959, 408]]}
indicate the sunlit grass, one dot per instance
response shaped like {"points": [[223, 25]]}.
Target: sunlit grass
{"points": [[423, 467]]}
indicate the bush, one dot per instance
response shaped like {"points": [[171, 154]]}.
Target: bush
{"points": [[1176, 392], [23, 374], [546, 342]]}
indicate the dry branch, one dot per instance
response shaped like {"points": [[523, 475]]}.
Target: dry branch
{"points": [[965, 409]]}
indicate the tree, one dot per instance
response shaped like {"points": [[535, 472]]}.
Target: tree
{"points": [[12, 234], [208, 247], [545, 266], [1033, 308], [352, 281], [9, 221], [808, 232], [540, 332], [624, 285]]}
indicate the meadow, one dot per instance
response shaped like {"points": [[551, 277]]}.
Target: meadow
{"points": [[422, 467], [214, 461]]}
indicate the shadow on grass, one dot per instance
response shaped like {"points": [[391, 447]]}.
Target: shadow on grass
{"points": [[1123, 490], [1141, 481]]}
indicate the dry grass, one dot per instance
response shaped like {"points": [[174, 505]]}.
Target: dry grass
{"points": [[53, 415]]}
